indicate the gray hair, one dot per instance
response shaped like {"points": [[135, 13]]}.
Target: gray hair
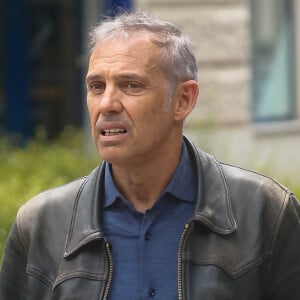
{"points": [[177, 59]]}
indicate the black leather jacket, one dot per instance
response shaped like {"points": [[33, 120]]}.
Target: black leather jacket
{"points": [[242, 242]]}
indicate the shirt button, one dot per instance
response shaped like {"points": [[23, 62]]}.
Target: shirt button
{"points": [[151, 292], [147, 236]]}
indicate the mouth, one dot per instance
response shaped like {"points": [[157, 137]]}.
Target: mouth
{"points": [[113, 131]]}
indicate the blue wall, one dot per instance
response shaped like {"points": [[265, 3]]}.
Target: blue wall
{"points": [[111, 6]]}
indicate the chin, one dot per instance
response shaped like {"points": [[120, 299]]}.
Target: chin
{"points": [[112, 156]]}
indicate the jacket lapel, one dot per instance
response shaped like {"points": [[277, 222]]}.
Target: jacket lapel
{"points": [[85, 225]]}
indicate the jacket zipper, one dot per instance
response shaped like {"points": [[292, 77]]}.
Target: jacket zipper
{"points": [[110, 270], [179, 261]]}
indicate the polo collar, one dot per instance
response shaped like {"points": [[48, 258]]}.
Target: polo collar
{"points": [[212, 209], [182, 185]]}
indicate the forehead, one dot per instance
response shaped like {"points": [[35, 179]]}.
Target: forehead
{"points": [[135, 52]]}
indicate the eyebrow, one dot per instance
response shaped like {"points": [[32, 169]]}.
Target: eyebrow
{"points": [[92, 77]]}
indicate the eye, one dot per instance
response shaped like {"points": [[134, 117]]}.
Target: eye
{"points": [[96, 87], [132, 87]]}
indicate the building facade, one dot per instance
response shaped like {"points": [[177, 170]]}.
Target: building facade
{"points": [[248, 51]]}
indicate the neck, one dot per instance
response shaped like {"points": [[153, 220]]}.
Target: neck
{"points": [[143, 184]]}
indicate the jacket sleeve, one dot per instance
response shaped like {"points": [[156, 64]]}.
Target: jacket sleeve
{"points": [[284, 279], [13, 278]]}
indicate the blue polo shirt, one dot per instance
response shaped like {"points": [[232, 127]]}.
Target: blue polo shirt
{"points": [[145, 245]]}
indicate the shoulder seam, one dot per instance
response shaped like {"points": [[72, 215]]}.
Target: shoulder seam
{"points": [[259, 174]]}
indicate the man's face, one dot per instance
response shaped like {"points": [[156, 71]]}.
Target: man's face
{"points": [[126, 93]]}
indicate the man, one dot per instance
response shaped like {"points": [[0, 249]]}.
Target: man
{"points": [[159, 218]]}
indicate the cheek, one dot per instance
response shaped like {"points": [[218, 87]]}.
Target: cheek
{"points": [[92, 109]]}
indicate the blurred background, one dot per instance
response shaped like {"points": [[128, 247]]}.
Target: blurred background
{"points": [[249, 64], [248, 111]]}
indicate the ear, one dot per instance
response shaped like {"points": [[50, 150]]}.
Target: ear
{"points": [[186, 98]]}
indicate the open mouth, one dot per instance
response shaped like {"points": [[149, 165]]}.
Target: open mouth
{"points": [[113, 131]]}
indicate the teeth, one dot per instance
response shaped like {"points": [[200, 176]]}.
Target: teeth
{"points": [[113, 131]]}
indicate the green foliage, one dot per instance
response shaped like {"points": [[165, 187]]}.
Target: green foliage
{"points": [[24, 172]]}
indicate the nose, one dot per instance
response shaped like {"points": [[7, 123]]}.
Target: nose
{"points": [[110, 102]]}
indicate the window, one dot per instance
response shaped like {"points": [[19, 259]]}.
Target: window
{"points": [[41, 47], [273, 60]]}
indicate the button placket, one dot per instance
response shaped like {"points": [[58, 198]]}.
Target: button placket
{"points": [[147, 236], [151, 292]]}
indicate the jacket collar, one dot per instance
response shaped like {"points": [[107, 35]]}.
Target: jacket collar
{"points": [[213, 205]]}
